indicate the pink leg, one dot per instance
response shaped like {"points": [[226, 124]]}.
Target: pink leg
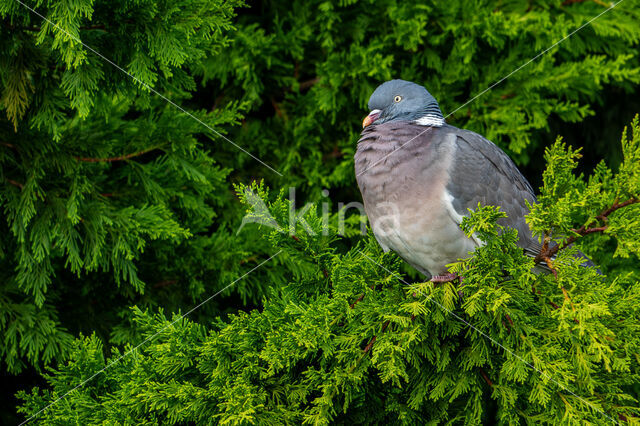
{"points": [[444, 278]]}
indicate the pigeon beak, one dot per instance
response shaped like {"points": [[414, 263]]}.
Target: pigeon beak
{"points": [[369, 119]]}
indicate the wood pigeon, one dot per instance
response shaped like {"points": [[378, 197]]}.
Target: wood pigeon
{"points": [[419, 175]]}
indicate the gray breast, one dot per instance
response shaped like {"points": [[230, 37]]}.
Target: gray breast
{"points": [[404, 193]]}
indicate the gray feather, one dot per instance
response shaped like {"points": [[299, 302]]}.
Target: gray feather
{"points": [[484, 174]]}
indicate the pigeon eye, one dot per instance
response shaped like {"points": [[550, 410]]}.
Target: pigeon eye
{"points": [[397, 99]]}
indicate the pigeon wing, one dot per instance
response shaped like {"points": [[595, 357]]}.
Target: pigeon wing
{"points": [[483, 173]]}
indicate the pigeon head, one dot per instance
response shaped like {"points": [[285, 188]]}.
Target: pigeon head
{"points": [[400, 100]]}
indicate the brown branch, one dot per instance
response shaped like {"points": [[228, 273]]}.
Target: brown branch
{"points": [[114, 159], [356, 301], [549, 262], [536, 291], [32, 28], [509, 319], [592, 230], [600, 2], [546, 253], [307, 84], [510, 325], [15, 183], [93, 27], [485, 377], [616, 206], [566, 297], [217, 101], [336, 153], [10, 145], [249, 259], [276, 107], [371, 343], [37, 29], [164, 283], [374, 338]]}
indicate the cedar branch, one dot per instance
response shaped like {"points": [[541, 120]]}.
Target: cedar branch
{"points": [[165, 283], [118, 158], [547, 253], [37, 29], [308, 83], [9, 145], [15, 183], [355, 302], [374, 338], [485, 377]]}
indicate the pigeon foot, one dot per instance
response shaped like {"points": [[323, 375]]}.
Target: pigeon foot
{"points": [[446, 278]]}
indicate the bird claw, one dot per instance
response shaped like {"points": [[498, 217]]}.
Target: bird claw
{"points": [[437, 279], [447, 278]]}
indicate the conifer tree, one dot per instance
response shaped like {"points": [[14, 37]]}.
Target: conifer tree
{"points": [[117, 191], [352, 341]]}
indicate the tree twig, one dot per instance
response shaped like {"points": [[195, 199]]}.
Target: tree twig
{"points": [[485, 377], [118, 158], [15, 183], [7, 144], [355, 302], [546, 253], [374, 338], [308, 83], [249, 259], [165, 283], [510, 325], [37, 29]]}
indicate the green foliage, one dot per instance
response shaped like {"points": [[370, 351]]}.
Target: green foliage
{"points": [[112, 197], [605, 199], [347, 339], [103, 182], [310, 63]]}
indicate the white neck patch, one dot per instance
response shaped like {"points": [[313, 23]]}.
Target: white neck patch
{"points": [[430, 120]]}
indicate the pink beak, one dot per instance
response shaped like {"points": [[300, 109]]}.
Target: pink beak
{"points": [[373, 116]]}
